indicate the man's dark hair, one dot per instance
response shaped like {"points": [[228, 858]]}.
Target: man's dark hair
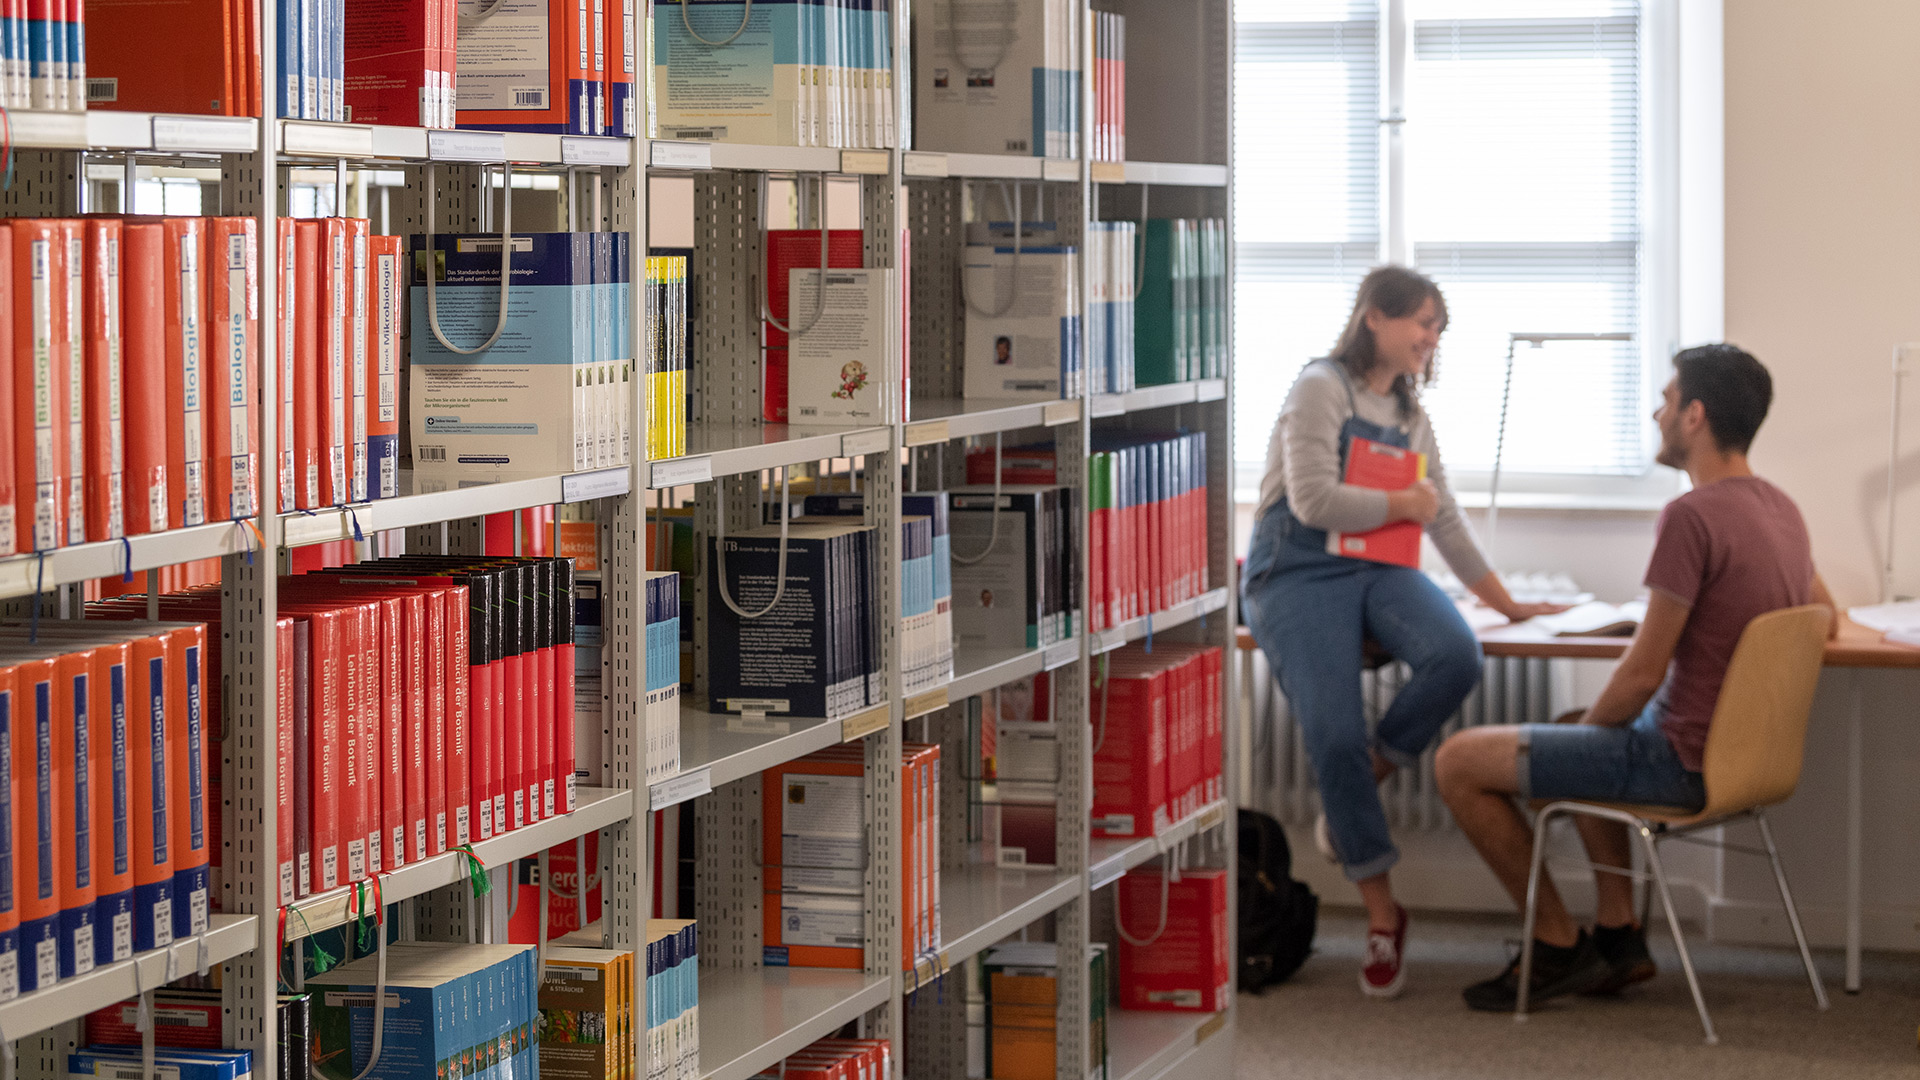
{"points": [[1734, 388]]}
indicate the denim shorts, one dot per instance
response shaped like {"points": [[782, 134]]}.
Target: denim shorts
{"points": [[1631, 764]]}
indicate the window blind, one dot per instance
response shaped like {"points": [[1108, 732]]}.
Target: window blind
{"points": [[1307, 173]]}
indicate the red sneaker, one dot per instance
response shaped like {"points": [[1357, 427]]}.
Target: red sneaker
{"points": [[1385, 973]]}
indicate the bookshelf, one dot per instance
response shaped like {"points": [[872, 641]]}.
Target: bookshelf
{"points": [[756, 1014]]}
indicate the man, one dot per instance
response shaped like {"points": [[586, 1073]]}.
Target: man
{"points": [[1732, 548]]}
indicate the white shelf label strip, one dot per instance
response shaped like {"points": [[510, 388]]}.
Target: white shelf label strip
{"points": [[341, 140], [679, 789], [680, 155], [482, 146], [584, 150], [679, 472], [865, 442], [579, 487], [1062, 654], [203, 133]]}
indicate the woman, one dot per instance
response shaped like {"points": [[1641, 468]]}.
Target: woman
{"points": [[1313, 613]]}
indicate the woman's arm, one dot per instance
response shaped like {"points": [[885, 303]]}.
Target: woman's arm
{"points": [[1316, 410], [1493, 593]]}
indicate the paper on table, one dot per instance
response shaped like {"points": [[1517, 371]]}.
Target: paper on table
{"points": [[1909, 636], [1596, 618], [1901, 616]]}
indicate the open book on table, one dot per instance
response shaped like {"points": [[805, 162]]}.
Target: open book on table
{"points": [[1595, 618]]}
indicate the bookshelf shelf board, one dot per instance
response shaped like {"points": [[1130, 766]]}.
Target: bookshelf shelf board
{"points": [[426, 498], [23, 575], [706, 742], [1108, 859], [1172, 173], [310, 138], [107, 129], [939, 419], [748, 157], [980, 905], [1012, 167], [599, 808], [731, 449], [1178, 615], [754, 1017], [1158, 397], [1147, 1045], [976, 673], [227, 936]]}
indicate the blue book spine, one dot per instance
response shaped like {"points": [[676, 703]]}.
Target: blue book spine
{"points": [[76, 922], [190, 882], [39, 938], [113, 912], [9, 938]]}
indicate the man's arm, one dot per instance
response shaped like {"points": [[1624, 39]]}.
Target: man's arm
{"points": [[1822, 596], [1644, 667]]}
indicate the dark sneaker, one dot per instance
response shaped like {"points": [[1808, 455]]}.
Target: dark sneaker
{"points": [[1385, 972], [1624, 948], [1557, 971]]}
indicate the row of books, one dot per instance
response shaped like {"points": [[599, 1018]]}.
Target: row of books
{"points": [[106, 839], [555, 66], [815, 857], [124, 1062], [586, 1021], [1021, 981], [1148, 547], [1023, 319], [667, 357], [662, 710], [544, 387], [184, 1018], [1187, 966], [1109, 86], [1180, 315], [449, 1009], [835, 1059], [802, 73], [998, 78], [673, 1000], [1158, 736], [1016, 559], [1112, 250]]}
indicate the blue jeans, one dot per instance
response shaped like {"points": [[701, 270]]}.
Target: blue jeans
{"points": [[1630, 764], [1310, 612]]}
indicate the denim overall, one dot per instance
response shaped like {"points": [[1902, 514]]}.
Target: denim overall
{"points": [[1310, 612]]}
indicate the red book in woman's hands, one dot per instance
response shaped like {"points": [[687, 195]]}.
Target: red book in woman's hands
{"points": [[1383, 468]]}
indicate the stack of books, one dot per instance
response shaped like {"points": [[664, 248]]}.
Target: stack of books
{"points": [[998, 78], [1157, 720], [1016, 558], [810, 73], [835, 1059], [1188, 966], [1023, 324], [666, 360], [1111, 252], [190, 1019], [448, 1007], [1022, 997], [662, 711], [1109, 86]]}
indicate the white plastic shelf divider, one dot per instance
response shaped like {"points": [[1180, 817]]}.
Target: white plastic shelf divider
{"points": [[936, 420], [599, 808], [980, 905], [227, 936], [1178, 615], [22, 575], [1108, 859], [754, 1017], [731, 449], [428, 498], [1147, 1045], [1159, 397], [1174, 173]]}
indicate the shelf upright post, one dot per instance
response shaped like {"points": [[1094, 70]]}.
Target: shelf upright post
{"points": [[251, 882]]}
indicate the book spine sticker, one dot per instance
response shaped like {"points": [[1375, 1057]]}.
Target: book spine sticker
{"points": [[74, 326], [193, 420]]}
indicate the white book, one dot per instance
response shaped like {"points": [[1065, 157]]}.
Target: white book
{"points": [[1596, 618], [1029, 351], [839, 370]]}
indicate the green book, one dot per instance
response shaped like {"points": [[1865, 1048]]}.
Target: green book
{"points": [[1158, 332]]}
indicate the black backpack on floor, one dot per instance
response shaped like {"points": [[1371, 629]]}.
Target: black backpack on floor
{"points": [[1277, 913]]}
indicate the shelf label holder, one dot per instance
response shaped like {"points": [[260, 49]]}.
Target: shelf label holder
{"points": [[864, 724], [484, 147], [680, 155], [591, 150], [688, 785], [679, 472]]}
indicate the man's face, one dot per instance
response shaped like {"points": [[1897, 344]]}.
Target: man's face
{"points": [[1673, 447]]}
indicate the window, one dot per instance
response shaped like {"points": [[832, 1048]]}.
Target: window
{"points": [[1500, 146]]}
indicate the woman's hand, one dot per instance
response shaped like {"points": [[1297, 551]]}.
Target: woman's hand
{"points": [[1494, 594], [1418, 501], [1518, 612]]}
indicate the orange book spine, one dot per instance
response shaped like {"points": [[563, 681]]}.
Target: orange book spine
{"points": [[39, 826], [336, 391], [289, 290], [421, 642], [143, 360], [182, 311], [353, 772], [73, 777], [10, 862], [305, 314], [70, 348], [105, 436], [284, 751], [125, 36], [795, 790], [392, 732], [233, 331], [151, 786], [186, 758], [38, 390], [328, 711], [9, 537], [110, 806], [563, 21]]}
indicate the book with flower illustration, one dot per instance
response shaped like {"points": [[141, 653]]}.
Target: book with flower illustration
{"points": [[840, 369], [1382, 467]]}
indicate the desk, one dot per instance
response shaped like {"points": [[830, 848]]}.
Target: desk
{"points": [[1855, 648]]}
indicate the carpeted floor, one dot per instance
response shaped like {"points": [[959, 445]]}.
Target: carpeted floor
{"points": [[1318, 1026]]}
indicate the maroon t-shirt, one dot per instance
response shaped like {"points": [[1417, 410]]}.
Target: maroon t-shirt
{"points": [[1730, 551]]}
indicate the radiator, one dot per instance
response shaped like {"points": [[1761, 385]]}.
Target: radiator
{"points": [[1278, 778]]}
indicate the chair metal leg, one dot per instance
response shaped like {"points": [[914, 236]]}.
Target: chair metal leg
{"points": [[1793, 913], [1673, 923], [1540, 823]]}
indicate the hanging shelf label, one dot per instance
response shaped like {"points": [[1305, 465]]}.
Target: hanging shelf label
{"points": [[690, 785]]}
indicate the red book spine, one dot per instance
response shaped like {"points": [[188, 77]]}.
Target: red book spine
{"points": [[549, 736], [183, 310], [39, 388], [233, 325], [418, 701], [358, 285], [70, 348], [144, 367], [451, 807], [286, 251], [513, 736], [396, 705], [335, 387], [372, 721], [1130, 771], [105, 434], [566, 757], [499, 780], [791, 249], [327, 712], [353, 762], [9, 534], [390, 60], [284, 751], [304, 314]]}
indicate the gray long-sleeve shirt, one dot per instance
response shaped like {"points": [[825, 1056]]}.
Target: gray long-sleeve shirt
{"points": [[1303, 466]]}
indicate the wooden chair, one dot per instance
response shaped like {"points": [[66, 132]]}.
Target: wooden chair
{"points": [[1753, 757]]}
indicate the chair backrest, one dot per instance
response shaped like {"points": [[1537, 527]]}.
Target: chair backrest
{"points": [[1759, 732]]}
